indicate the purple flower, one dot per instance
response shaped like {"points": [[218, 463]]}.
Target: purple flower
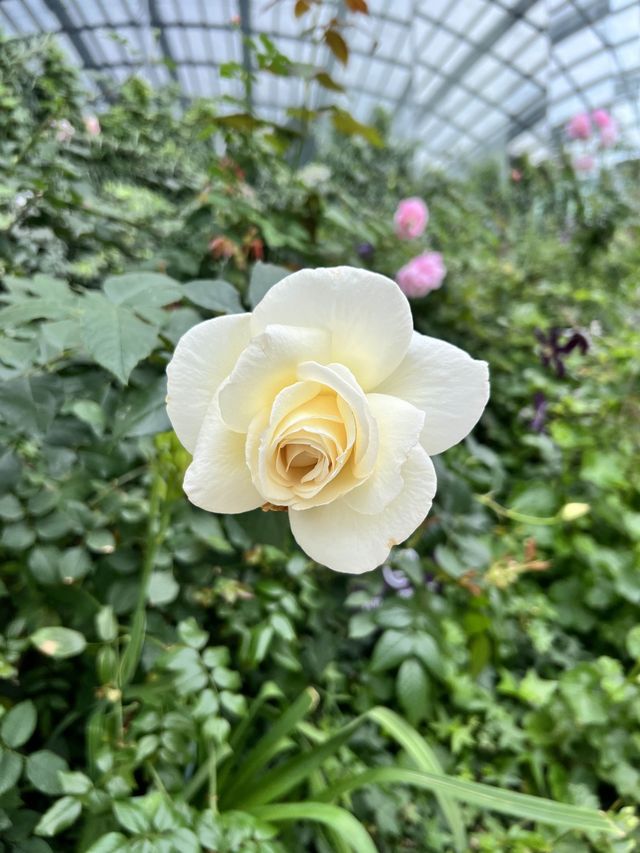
{"points": [[554, 349], [395, 579], [365, 251]]}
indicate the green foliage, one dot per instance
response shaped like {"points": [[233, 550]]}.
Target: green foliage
{"points": [[156, 661]]}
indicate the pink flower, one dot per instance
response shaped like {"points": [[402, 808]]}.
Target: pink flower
{"points": [[584, 163], [422, 274], [609, 135], [92, 125], [516, 176], [579, 127], [603, 119], [410, 218]]}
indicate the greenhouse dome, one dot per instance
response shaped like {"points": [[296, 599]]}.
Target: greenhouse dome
{"points": [[319, 426], [463, 79]]}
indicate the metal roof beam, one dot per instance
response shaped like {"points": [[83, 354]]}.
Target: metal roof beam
{"points": [[244, 8], [475, 55], [157, 23], [59, 11]]}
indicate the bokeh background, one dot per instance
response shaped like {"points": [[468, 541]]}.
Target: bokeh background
{"points": [[171, 680]]}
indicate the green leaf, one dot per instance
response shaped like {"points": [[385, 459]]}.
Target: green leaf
{"points": [[58, 642], [215, 295], [18, 724], [74, 782], [350, 829], [114, 336], [263, 277], [163, 588], [61, 815], [390, 650], [426, 648], [412, 687], [29, 404], [277, 782], [633, 642], [106, 624], [270, 744], [521, 806], [425, 759], [112, 842], [347, 124], [43, 769], [131, 815], [193, 635], [141, 290], [10, 769], [10, 508]]}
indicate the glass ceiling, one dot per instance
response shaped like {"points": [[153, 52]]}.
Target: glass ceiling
{"points": [[461, 77]]}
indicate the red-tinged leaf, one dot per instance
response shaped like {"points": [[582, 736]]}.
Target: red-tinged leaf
{"points": [[337, 45]]}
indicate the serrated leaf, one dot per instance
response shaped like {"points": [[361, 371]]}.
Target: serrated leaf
{"points": [[263, 277], [141, 290], [116, 338], [61, 815], [18, 724], [215, 295]]}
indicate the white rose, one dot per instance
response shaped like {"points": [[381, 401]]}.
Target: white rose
{"points": [[323, 401]]}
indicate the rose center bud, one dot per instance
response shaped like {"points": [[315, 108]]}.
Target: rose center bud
{"points": [[307, 454]]}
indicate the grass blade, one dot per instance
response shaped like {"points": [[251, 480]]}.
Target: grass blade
{"points": [[269, 745], [523, 806], [337, 819], [425, 759], [286, 776], [241, 733]]}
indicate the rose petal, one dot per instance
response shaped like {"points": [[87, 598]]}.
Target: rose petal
{"points": [[399, 425], [337, 536], [218, 478], [342, 381], [367, 315], [204, 357], [444, 382], [268, 364]]}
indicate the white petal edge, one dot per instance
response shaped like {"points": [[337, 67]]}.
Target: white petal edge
{"points": [[444, 382], [218, 478], [204, 357], [348, 541], [366, 313], [267, 365], [399, 425]]}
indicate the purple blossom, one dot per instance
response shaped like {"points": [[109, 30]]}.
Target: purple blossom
{"points": [[365, 251], [555, 346]]}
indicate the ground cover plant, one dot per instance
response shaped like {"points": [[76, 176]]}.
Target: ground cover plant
{"points": [[175, 680]]}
